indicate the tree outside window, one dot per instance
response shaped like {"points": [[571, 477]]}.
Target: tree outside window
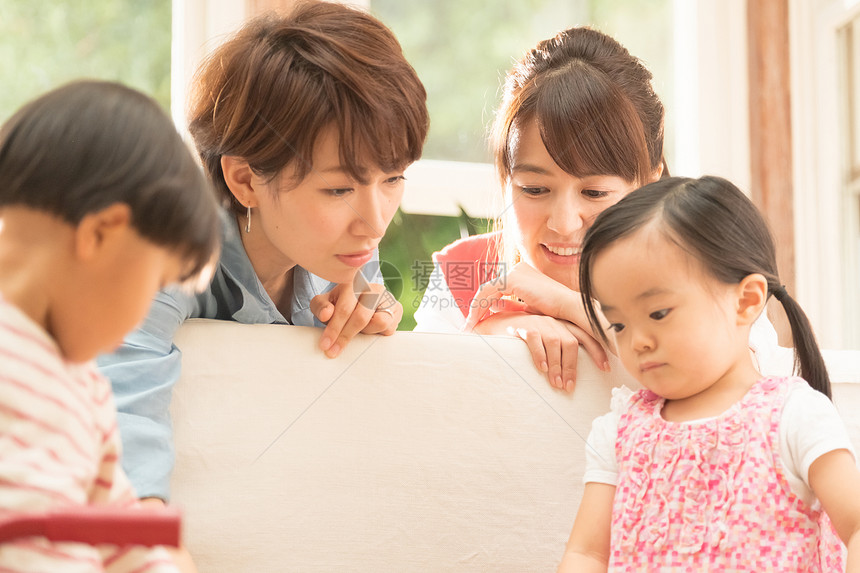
{"points": [[50, 42]]}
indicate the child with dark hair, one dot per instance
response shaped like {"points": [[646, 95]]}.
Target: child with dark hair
{"points": [[101, 206], [711, 466]]}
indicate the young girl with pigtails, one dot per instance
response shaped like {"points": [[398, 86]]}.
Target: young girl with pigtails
{"points": [[711, 466]]}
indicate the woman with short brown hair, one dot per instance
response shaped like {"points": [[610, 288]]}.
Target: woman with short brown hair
{"points": [[304, 123]]}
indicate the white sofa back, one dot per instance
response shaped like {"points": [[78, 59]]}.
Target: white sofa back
{"points": [[415, 452]]}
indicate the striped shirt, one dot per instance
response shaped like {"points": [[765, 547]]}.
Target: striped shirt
{"points": [[59, 446]]}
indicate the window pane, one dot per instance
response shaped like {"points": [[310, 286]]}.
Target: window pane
{"points": [[49, 42], [463, 48]]}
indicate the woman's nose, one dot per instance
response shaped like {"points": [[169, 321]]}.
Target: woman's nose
{"points": [[566, 216], [371, 213]]}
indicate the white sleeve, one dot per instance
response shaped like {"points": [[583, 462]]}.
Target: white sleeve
{"points": [[810, 426], [601, 466], [764, 343], [438, 311]]}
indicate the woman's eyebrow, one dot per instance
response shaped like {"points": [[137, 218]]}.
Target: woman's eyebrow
{"points": [[529, 168], [334, 169]]}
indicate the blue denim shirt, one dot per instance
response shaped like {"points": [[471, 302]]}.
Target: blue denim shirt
{"points": [[145, 368]]}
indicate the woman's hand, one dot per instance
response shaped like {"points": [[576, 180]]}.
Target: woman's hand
{"points": [[374, 311], [553, 338], [539, 295], [553, 343]]}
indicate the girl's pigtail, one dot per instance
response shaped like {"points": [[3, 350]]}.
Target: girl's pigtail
{"points": [[808, 361]]}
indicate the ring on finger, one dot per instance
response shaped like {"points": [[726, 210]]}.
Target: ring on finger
{"points": [[388, 310]]}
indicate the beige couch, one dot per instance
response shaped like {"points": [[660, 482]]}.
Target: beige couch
{"points": [[416, 452]]}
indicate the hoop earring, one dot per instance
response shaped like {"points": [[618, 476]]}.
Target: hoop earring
{"points": [[248, 222]]}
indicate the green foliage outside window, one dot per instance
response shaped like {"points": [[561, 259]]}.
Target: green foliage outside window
{"points": [[406, 249], [47, 43]]}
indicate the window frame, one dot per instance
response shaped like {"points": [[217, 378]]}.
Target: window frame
{"points": [[826, 255]]}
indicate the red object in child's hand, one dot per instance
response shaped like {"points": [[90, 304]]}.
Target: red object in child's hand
{"points": [[96, 525]]}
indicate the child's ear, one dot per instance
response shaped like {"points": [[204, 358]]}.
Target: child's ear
{"points": [[96, 230], [752, 297], [240, 179]]}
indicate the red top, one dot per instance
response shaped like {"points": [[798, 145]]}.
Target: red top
{"points": [[467, 264]]}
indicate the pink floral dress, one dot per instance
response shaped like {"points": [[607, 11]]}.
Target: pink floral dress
{"points": [[711, 495]]}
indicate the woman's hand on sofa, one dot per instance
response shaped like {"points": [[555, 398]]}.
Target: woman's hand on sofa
{"points": [[346, 313], [553, 343]]}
